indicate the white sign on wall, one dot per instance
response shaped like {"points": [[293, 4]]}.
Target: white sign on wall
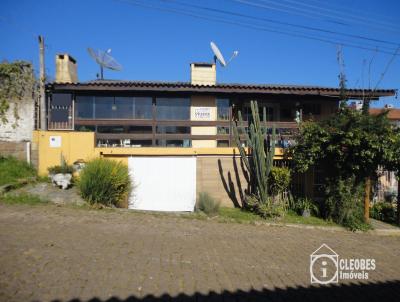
{"points": [[55, 141], [202, 113]]}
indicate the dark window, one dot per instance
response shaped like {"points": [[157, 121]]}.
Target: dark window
{"points": [[286, 114], [173, 129], [313, 109], [173, 143], [61, 99], [85, 128], [84, 107], [104, 106], [222, 130], [110, 129], [222, 143], [140, 129], [269, 112], [223, 109], [173, 108]]}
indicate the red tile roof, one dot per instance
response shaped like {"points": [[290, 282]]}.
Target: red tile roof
{"points": [[394, 113], [219, 88]]}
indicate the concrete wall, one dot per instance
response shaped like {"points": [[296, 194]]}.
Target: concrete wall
{"points": [[22, 131], [203, 74]]}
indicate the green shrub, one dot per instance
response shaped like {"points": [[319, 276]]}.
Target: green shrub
{"points": [[12, 169], [61, 169], [105, 181], [278, 180], [302, 204], [344, 203], [383, 211], [207, 204]]}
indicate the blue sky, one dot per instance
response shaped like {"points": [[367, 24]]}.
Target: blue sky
{"points": [[154, 44]]}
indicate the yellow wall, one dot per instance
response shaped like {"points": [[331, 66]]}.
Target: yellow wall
{"points": [[81, 146], [199, 101]]}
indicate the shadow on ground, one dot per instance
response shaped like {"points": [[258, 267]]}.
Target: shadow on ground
{"points": [[382, 291]]}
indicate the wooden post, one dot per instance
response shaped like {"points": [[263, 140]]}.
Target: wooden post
{"points": [[42, 80], [367, 198]]}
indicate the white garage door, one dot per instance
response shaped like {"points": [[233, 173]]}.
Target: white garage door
{"points": [[163, 183]]}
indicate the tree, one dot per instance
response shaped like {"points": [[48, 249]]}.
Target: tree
{"points": [[349, 145]]}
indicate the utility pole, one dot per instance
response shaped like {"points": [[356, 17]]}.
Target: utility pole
{"points": [[43, 125]]}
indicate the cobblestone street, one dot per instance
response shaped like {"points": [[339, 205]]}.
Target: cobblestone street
{"points": [[58, 253]]}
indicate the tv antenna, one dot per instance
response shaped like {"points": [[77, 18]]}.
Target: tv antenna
{"points": [[218, 55], [104, 59]]}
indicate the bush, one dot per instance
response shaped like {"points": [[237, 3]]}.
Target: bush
{"points": [[278, 180], [344, 203], [104, 181], [383, 211], [12, 169], [207, 204], [65, 169], [302, 204]]}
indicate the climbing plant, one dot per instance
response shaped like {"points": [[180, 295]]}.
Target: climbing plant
{"points": [[16, 82]]}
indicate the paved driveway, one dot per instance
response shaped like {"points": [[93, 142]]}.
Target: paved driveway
{"points": [[55, 253]]}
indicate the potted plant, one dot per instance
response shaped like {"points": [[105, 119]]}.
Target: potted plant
{"points": [[61, 175], [306, 207]]}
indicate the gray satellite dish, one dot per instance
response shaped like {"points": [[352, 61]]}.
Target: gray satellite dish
{"points": [[218, 55], [104, 60]]}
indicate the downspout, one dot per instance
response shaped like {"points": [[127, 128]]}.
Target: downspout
{"points": [[28, 152]]}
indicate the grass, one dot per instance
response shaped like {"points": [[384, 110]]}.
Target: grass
{"points": [[240, 216], [12, 169], [23, 198]]}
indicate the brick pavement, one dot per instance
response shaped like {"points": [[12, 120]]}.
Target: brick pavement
{"points": [[50, 253]]}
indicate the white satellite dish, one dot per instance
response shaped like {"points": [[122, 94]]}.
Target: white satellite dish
{"points": [[104, 59], [218, 55]]}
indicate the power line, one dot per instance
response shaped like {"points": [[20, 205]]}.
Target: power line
{"points": [[336, 12], [286, 23], [312, 14], [251, 26]]}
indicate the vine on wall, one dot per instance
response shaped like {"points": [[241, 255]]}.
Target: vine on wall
{"points": [[17, 81]]}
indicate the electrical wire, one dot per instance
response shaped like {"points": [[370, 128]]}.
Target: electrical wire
{"points": [[285, 23], [252, 26]]}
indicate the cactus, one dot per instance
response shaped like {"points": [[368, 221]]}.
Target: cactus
{"points": [[259, 160]]}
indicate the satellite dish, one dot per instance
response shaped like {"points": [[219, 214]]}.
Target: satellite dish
{"points": [[104, 59], [218, 55]]}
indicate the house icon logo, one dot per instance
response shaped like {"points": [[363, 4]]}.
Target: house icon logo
{"points": [[324, 265]]}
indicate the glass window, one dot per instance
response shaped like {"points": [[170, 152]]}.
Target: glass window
{"points": [[140, 143], [269, 111], [110, 129], [140, 129], [222, 143], [84, 107], [173, 108], [222, 130], [311, 109], [174, 143], [223, 109], [104, 106], [143, 108], [84, 128], [122, 108], [173, 129]]}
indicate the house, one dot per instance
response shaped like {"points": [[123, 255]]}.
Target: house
{"points": [[125, 119], [388, 185]]}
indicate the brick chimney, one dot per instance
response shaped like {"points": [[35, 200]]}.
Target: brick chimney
{"points": [[203, 74], [66, 69]]}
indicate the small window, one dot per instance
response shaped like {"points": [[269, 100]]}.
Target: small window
{"points": [[140, 129], [110, 129], [222, 143], [174, 143], [85, 128], [222, 130], [173, 130]]}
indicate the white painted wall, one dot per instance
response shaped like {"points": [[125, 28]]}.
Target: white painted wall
{"points": [[23, 132], [163, 183]]}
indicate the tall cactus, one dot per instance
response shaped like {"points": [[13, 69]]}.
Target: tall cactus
{"points": [[259, 161]]}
